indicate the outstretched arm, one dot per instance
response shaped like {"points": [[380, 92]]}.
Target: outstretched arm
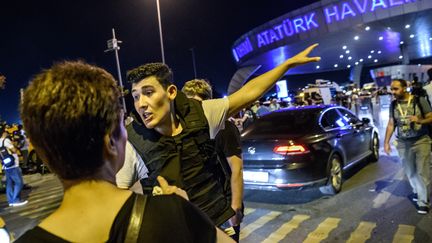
{"points": [[258, 86]]}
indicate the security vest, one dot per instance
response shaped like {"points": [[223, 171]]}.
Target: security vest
{"points": [[188, 160]]}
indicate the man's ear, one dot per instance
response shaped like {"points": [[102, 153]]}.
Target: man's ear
{"points": [[172, 92], [110, 148]]}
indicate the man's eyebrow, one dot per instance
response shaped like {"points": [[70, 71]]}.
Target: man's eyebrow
{"points": [[142, 88]]}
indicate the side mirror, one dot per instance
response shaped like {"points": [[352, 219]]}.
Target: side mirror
{"points": [[365, 120], [353, 121]]}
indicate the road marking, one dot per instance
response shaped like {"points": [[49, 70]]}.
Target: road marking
{"points": [[362, 233], [381, 199], [322, 231], [246, 231], [249, 211], [286, 228], [399, 175], [404, 234], [383, 196]]}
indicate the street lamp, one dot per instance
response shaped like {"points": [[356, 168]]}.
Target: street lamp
{"points": [[193, 61], [160, 31], [113, 45]]}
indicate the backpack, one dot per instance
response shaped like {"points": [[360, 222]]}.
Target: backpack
{"points": [[7, 159]]}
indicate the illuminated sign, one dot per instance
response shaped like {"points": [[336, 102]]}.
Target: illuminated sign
{"points": [[286, 28]]}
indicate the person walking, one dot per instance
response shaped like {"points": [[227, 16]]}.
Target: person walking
{"points": [[10, 162], [409, 115]]}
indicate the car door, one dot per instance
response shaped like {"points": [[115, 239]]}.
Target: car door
{"points": [[339, 132], [361, 135]]}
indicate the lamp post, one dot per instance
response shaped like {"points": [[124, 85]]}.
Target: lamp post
{"points": [[113, 45], [160, 31], [193, 61]]}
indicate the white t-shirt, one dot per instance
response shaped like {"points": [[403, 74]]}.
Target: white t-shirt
{"points": [[428, 89], [215, 111], [8, 144], [134, 169]]}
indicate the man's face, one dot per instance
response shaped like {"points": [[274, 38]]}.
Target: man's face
{"points": [[152, 102], [397, 90]]}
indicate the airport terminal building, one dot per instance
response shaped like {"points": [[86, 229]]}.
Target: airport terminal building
{"points": [[352, 34]]}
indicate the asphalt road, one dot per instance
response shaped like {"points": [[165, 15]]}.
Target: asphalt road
{"points": [[373, 206]]}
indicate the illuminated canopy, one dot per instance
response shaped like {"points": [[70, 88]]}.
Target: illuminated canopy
{"points": [[350, 33]]}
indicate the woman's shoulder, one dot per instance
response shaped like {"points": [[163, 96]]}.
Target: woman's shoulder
{"points": [[182, 221]]}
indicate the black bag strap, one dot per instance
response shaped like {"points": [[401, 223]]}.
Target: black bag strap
{"points": [[392, 107], [7, 151], [1, 154], [136, 218]]}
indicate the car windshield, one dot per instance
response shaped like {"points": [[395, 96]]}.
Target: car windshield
{"points": [[287, 122]]}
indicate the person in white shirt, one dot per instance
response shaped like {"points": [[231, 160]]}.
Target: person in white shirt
{"points": [[132, 172], [14, 180]]}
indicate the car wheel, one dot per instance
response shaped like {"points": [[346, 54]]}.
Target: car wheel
{"points": [[375, 149], [334, 182]]}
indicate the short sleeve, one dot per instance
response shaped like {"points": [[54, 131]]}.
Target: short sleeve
{"points": [[215, 111], [391, 110], [8, 143], [133, 168], [228, 140], [425, 105]]}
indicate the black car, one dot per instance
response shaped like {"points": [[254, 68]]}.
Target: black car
{"points": [[306, 146]]}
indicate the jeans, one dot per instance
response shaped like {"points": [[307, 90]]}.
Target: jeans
{"points": [[14, 184], [415, 156]]}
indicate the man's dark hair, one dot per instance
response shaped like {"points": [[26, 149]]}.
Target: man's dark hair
{"points": [[66, 112], [429, 72], [161, 71], [403, 82]]}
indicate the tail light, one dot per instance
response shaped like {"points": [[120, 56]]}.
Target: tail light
{"points": [[291, 149]]}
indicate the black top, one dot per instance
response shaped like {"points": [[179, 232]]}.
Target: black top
{"points": [[228, 140], [167, 218]]}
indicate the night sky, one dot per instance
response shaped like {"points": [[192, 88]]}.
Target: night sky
{"points": [[35, 34]]}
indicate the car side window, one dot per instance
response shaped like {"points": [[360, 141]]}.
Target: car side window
{"points": [[348, 116], [331, 119]]}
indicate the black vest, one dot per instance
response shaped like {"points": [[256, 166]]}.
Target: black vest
{"points": [[188, 160]]}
